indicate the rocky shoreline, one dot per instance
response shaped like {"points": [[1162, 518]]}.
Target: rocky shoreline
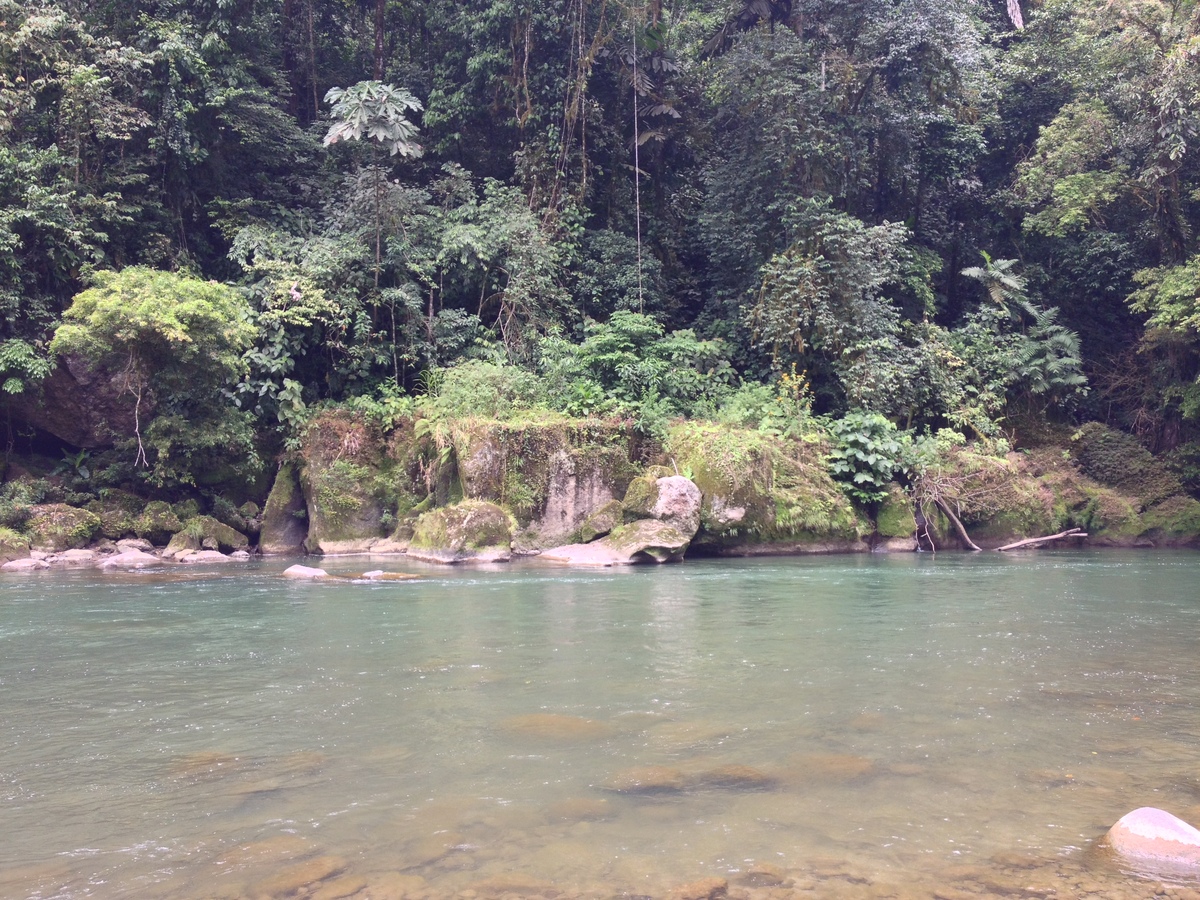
{"points": [[595, 492]]}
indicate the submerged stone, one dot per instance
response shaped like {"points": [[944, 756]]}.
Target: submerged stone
{"points": [[304, 572], [552, 726], [647, 780]]}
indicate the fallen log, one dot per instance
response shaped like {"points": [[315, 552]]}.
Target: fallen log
{"points": [[1028, 542], [958, 525]]}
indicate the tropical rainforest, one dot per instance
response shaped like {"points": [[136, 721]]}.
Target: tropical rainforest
{"points": [[968, 219]]}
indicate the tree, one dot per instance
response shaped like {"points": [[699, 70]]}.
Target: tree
{"points": [[376, 112], [178, 343]]}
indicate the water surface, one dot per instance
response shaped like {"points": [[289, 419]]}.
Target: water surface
{"points": [[867, 726]]}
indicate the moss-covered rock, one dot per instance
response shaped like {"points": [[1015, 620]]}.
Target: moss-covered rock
{"points": [[157, 522], [285, 516], [761, 490], [653, 539], [13, 545], [552, 472], [347, 481], [473, 530], [118, 511], [206, 533], [895, 518], [1174, 522], [602, 521], [1119, 460], [56, 526]]}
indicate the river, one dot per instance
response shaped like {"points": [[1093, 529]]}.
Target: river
{"points": [[866, 726]]}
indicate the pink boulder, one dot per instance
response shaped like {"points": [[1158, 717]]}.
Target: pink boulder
{"points": [[1154, 836]]}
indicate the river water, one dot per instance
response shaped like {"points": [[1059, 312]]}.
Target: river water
{"points": [[860, 726]]}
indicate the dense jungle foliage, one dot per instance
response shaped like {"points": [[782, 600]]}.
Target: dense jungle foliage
{"points": [[957, 217]]}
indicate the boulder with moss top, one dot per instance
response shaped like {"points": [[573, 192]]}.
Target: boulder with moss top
{"points": [[285, 517], [205, 533], [602, 521], [470, 531], [668, 515], [764, 493], [118, 511], [157, 523], [56, 526]]}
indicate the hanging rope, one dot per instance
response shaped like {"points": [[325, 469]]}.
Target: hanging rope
{"points": [[637, 167]]}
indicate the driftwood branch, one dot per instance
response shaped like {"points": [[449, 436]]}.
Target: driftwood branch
{"points": [[958, 525], [1070, 532]]}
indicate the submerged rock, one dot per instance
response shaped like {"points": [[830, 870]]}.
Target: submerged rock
{"points": [[704, 889], [647, 780], [304, 572], [556, 727], [1151, 836]]}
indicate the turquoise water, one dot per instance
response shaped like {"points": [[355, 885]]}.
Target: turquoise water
{"points": [[843, 726]]}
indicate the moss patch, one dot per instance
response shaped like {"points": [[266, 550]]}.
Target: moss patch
{"points": [[207, 533], [895, 518], [760, 487], [1118, 460]]}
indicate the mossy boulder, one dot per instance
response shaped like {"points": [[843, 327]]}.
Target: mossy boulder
{"points": [[118, 511], [346, 480], [1119, 460], [56, 527], [1174, 522], [13, 545], [473, 530], [285, 516], [552, 472], [763, 492], [157, 523], [602, 521], [649, 539], [206, 533]]}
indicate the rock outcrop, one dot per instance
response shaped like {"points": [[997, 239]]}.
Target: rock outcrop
{"points": [[345, 475], [669, 511], [284, 518]]}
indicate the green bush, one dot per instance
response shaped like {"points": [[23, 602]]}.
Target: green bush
{"points": [[866, 454]]}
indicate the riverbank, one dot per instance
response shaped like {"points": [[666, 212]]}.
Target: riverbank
{"points": [[597, 492]]}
